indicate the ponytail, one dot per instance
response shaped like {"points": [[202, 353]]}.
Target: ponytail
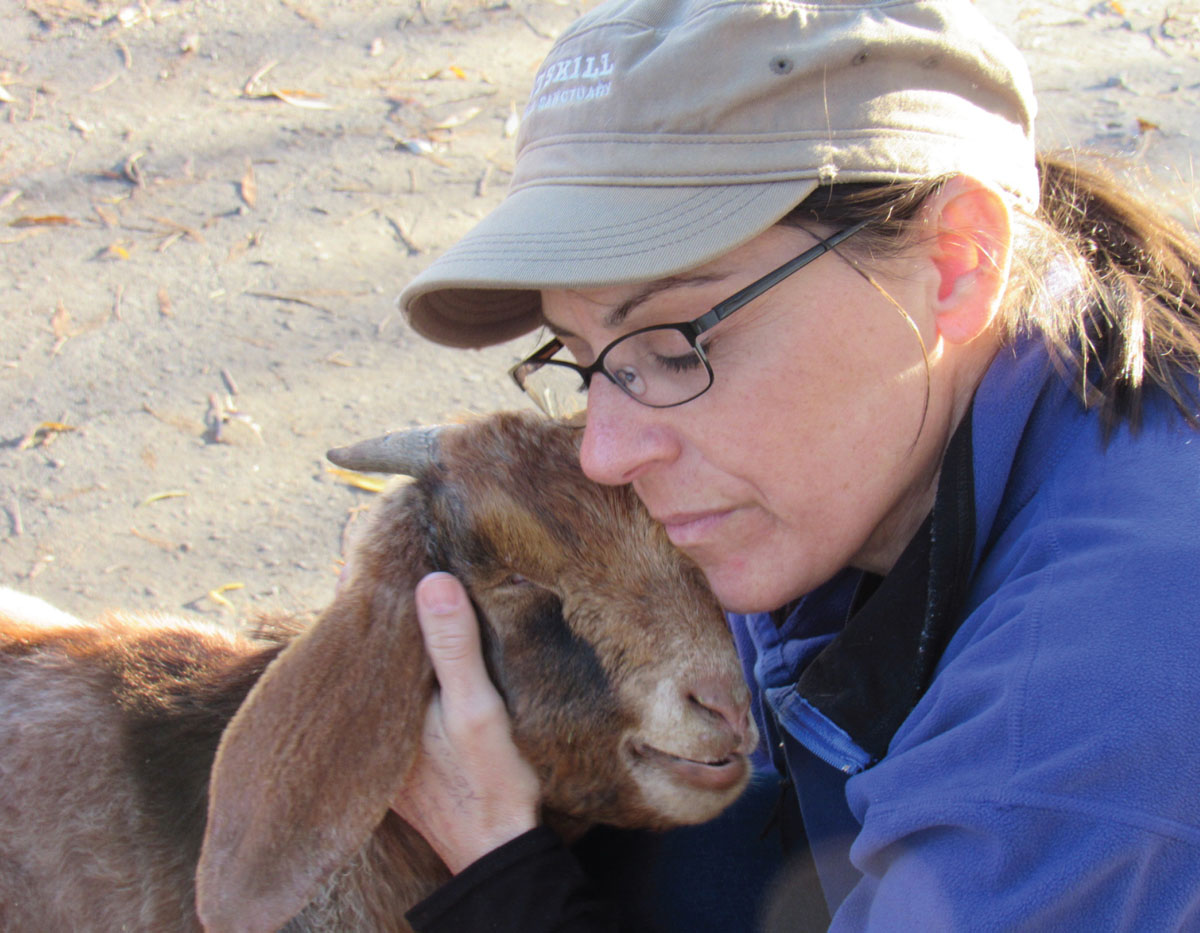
{"points": [[1138, 320]]}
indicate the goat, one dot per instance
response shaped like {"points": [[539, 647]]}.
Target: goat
{"points": [[161, 774]]}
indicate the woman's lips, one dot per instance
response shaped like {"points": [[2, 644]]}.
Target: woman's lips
{"points": [[691, 528]]}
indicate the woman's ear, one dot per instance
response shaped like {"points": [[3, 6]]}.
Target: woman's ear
{"points": [[970, 249]]}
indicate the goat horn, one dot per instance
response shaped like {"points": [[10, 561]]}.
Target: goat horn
{"points": [[410, 452]]}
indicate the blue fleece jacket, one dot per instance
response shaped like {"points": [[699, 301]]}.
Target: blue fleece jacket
{"points": [[1044, 774]]}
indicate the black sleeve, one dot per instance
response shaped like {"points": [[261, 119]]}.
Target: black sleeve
{"points": [[712, 878], [532, 884]]}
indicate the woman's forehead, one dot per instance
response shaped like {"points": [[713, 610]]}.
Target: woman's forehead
{"points": [[614, 307]]}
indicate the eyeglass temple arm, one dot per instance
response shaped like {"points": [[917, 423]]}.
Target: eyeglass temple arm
{"points": [[721, 311]]}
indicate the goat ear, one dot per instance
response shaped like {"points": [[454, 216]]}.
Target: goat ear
{"points": [[308, 766]]}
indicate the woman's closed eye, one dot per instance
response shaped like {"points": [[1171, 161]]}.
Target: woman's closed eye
{"points": [[681, 363], [684, 362]]}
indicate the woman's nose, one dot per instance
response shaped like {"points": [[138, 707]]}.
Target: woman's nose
{"points": [[621, 439]]}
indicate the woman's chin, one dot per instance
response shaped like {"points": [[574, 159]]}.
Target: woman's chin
{"points": [[743, 590]]}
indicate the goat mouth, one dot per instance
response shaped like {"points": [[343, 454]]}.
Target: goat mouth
{"points": [[717, 774]]}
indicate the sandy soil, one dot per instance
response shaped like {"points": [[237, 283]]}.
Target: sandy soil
{"points": [[207, 208]]}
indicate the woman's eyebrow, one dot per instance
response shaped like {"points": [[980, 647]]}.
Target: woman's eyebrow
{"points": [[618, 315]]}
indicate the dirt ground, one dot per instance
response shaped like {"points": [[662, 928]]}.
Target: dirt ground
{"points": [[207, 208]]}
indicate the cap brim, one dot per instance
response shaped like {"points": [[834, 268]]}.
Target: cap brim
{"points": [[484, 289]]}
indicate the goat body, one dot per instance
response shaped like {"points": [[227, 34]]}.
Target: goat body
{"points": [[161, 774]]}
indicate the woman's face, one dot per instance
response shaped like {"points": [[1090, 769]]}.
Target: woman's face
{"points": [[809, 452]]}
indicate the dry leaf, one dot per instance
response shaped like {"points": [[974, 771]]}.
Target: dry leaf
{"points": [[358, 480], [157, 542], [299, 98], [215, 593], [240, 430], [403, 236], [307, 15], [106, 83], [290, 299], [248, 87], [107, 216], [24, 235], [60, 322], [457, 72], [164, 303], [226, 425], [132, 171], [249, 186], [168, 494], [251, 239], [51, 220], [421, 147], [416, 146], [184, 423], [39, 565], [43, 434], [168, 241], [1145, 126], [177, 229], [458, 119], [53, 12]]}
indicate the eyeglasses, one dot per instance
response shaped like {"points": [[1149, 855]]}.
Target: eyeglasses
{"points": [[659, 366]]}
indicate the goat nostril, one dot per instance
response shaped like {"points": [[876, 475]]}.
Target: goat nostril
{"points": [[721, 698]]}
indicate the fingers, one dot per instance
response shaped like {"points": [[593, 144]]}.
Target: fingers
{"points": [[470, 790], [451, 635]]}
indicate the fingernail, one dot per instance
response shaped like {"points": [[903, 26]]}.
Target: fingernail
{"points": [[439, 592]]}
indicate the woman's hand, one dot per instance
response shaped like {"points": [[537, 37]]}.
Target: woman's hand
{"points": [[469, 791]]}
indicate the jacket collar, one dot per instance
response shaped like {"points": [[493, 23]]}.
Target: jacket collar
{"points": [[869, 677]]}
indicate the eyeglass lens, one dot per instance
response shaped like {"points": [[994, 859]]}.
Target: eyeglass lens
{"points": [[657, 367]]}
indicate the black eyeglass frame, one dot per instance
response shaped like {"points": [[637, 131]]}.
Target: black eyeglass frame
{"points": [[691, 330]]}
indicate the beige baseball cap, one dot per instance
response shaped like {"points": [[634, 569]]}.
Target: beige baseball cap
{"points": [[661, 134]]}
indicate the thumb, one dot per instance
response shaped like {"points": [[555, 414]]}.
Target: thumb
{"points": [[451, 635]]}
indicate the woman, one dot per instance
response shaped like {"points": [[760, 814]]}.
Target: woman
{"points": [[934, 448]]}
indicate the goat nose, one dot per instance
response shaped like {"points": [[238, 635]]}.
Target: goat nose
{"points": [[726, 699]]}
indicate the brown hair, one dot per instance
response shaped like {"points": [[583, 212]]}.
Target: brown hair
{"points": [[1108, 280]]}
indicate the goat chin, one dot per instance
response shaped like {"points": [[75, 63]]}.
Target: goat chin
{"points": [[157, 773], [690, 757], [682, 791]]}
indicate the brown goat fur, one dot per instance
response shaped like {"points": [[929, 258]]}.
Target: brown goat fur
{"points": [[156, 772]]}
